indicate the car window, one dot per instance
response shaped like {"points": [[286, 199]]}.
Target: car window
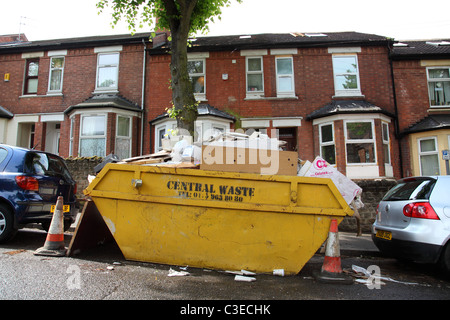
{"points": [[45, 164], [3, 154], [411, 189]]}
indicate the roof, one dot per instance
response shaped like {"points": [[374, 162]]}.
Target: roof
{"points": [[282, 40], [437, 48], [80, 42], [346, 107], [429, 123], [5, 113], [105, 101], [203, 109]]}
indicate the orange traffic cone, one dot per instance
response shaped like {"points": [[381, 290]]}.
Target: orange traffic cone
{"points": [[331, 269], [54, 244]]}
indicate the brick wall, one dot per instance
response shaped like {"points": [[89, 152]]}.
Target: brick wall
{"points": [[313, 79], [80, 168], [411, 91], [373, 192]]}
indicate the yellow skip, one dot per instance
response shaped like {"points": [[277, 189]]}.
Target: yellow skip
{"points": [[218, 220]]}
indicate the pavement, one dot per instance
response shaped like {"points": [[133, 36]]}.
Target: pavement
{"points": [[351, 244]]}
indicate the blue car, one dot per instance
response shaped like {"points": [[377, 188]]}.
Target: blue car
{"points": [[30, 183]]}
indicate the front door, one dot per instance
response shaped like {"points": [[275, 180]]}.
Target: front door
{"points": [[290, 136]]}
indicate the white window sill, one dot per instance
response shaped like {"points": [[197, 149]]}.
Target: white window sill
{"points": [[97, 91], [41, 95], [348, 95], [270, 98]]}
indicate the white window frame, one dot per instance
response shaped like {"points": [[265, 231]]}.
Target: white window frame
{"points": [[256, 93], [430, 80], [92, 136], [386, 141], [346, 92], [358, 141], [127, 137], [279, 76], [327, 143], [71, 135], [165, 126], [200, 96], [428, 153], [99, 66], [49, 90]]}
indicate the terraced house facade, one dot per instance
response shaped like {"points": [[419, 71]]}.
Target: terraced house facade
{"points": [[349, 97]]}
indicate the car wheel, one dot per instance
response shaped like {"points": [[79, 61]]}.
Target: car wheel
{"points": [[7, 230], [444, 260]]}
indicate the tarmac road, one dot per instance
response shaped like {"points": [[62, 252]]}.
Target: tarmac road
{"points": [[103, 274]]}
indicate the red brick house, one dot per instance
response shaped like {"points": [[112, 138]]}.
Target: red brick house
{"points": [[326, 94], [422, 87], [329, 94], [78, 96]]}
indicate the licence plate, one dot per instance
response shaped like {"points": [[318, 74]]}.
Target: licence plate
{"points": [[387, 235], [66, 208]]}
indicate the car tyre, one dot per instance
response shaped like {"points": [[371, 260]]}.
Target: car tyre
{"points": [[7, 229], [444, 261]]}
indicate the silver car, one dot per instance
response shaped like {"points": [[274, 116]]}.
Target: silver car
{"points": [[413, 221]]}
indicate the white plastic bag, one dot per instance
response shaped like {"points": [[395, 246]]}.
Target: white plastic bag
{"points": [[319, 168]]}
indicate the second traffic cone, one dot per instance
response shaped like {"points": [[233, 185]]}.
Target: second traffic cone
{"points": [[331, 269], [54, 244]]}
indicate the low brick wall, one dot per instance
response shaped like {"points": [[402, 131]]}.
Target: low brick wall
{"points": [[373, 191], [80, 168]]}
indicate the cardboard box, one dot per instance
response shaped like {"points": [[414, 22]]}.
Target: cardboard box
{"points": [[248, 160]]}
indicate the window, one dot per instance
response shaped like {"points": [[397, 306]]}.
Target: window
{"points": [[123, 137], [31, 76], [255, 82], [327, 148], [428, 156], [196, 70], [72, 128], [346, 75], [439, 86], [386, 148], [93, 136], [56, 74], [285, 76], [107, 71], [160, 133], [360, 142]]}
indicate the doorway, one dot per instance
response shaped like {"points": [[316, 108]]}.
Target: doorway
{"points": [[290, 136]]}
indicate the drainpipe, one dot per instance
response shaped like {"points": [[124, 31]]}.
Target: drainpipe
{"points": [[396, 125], [143, 97]]}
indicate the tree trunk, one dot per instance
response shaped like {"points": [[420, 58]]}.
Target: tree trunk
{"points": [[182, 91]]}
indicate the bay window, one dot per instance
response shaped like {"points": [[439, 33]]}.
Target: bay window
{"points": [[360, 142], [327, 145], [386, 143], [123, 137], [93, 136]]}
